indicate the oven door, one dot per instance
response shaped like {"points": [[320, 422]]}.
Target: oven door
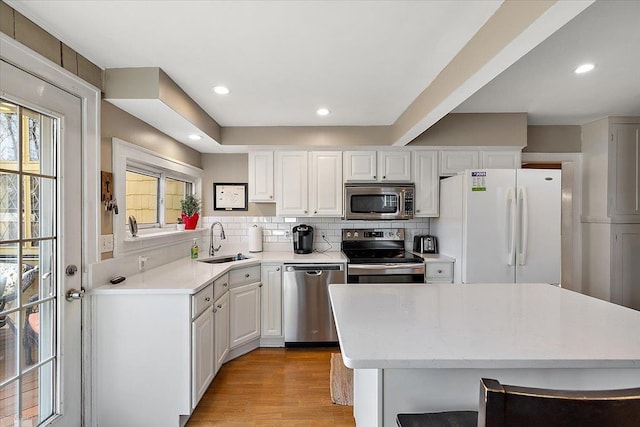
{"points": [[385, 273]]}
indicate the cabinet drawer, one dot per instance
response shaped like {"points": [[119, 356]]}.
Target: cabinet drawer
{"points": [[242, 276], [201, 301], [439, 272], [220, 286]]}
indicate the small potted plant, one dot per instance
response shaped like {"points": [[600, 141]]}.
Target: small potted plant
{"points": [[180, 225], [190, 211]]}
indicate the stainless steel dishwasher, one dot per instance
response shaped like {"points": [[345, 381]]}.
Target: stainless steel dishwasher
{"points": [[308, 318]]}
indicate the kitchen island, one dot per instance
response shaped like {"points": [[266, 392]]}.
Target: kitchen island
{"points": [[419, 348]]}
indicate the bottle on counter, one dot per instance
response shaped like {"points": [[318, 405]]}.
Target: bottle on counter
{"points": [[194, 249]]}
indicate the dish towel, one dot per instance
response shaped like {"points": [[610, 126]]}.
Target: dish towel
{"points": [[341, 381]]}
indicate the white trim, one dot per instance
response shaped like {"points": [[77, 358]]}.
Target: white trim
{"points": [[34, 63]]}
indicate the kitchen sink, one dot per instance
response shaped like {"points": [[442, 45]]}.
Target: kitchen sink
{"points": [[223, 259]]}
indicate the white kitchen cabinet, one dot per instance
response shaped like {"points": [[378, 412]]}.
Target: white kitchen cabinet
{"points": [[244, 303], [271, 306], [292, 191], [452, 162], [202, 354], [425, 169], [261, 188], [221, 328], [309, 183], [624, 179], [438, 272], [369, 166], [360, 166], [500, 159], [325, 183], [394, 166]]}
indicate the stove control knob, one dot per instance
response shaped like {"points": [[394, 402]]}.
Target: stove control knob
{"points": [[348, 234], [391, 234], [355, 234]]}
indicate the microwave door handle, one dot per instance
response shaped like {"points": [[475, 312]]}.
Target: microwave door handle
{"points": [[401, 204]]}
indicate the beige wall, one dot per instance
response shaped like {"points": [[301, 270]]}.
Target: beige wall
{"points": [[553, 139], [230, 168], [502, 129], [316, 136]]}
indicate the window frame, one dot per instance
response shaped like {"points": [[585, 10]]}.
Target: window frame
{"points": [[127, 156]]}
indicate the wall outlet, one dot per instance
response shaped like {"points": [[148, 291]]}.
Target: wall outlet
{"points": [[106, 243]]}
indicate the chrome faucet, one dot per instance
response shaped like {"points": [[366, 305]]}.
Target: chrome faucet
{"points": [[212, 249]]}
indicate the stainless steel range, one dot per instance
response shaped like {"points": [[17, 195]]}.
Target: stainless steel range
{"points": [[377, 255]]}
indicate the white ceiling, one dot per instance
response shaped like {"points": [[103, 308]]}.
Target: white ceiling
{"points": [[543, 84], [366, 61]]}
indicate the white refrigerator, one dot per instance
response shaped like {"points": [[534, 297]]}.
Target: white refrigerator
{"points": [[501, 225]]}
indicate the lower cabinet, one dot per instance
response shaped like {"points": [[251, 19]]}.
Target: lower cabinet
{"points": [[202, 355], [271, 306], [245, 314], [221, 334]]}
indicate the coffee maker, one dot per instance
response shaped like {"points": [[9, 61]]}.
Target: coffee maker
{"points": [[303, 239]]}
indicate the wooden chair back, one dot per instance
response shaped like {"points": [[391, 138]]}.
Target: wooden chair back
{"points": [[509, 406]]}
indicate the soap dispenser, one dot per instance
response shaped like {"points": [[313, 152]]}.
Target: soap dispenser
{"points": [[194, 249]]}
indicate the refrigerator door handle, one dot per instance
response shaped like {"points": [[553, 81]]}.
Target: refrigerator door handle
{"points": [[511, 227], [524, 225]]}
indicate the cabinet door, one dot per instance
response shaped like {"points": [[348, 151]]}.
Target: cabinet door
{"points": [[245, 314], [291, 183], [325, 190], [360, 166], [452, 162], [501, 160], [271, 301], [626, 268], [202, 355], [426, 197], [261, 176], [624, 173], [221, 315], [394, 166]]}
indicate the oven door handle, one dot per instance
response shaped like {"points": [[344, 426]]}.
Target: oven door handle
{"points": [[382, 266]]}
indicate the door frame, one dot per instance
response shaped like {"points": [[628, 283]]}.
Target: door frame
{"points": [[576, 159], [34, 63]]}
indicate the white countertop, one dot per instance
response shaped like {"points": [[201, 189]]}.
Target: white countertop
{"points": [[187, 276], [482, 326]]}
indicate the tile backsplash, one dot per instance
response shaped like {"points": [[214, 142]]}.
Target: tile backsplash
{"points": [[276, 231]]}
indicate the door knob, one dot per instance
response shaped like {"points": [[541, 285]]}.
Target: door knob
{"points": [[73, 294]]}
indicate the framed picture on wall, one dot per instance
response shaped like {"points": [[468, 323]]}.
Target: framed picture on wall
{"points": [[230, 196]]}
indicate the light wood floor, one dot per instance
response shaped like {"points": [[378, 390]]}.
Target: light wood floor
{"points": [[273, 387]]}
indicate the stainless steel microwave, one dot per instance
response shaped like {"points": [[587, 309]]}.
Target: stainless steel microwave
{"points": [[378, 201]]}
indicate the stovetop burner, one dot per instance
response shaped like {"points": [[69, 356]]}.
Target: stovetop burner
{"points": [[376, 246]]}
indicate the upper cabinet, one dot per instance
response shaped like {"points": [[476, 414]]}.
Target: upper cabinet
{"points": [[454, 161], [368, 166], [425, 169], [624, 171], [261, 176], [309, 183]]}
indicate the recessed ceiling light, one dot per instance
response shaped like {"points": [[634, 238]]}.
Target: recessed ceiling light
{"points": [[195, 137], [322, 111], [221, 90], [584, 68]]}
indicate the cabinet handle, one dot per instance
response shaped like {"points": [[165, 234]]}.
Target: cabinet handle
{"points": [[270, 196], [418, 210], [374, 177], [225, 284], [384, 176], [215, 310], [315, 212], [439, 271], [247, 275], [207, 299], [278, 269], [305, 211], [260, 285], [219, 306]]}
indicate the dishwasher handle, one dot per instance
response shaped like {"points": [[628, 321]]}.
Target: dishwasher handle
{"points": [[313, 269]]}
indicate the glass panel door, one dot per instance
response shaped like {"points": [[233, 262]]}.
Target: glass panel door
{"points": [[40, 233]]}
